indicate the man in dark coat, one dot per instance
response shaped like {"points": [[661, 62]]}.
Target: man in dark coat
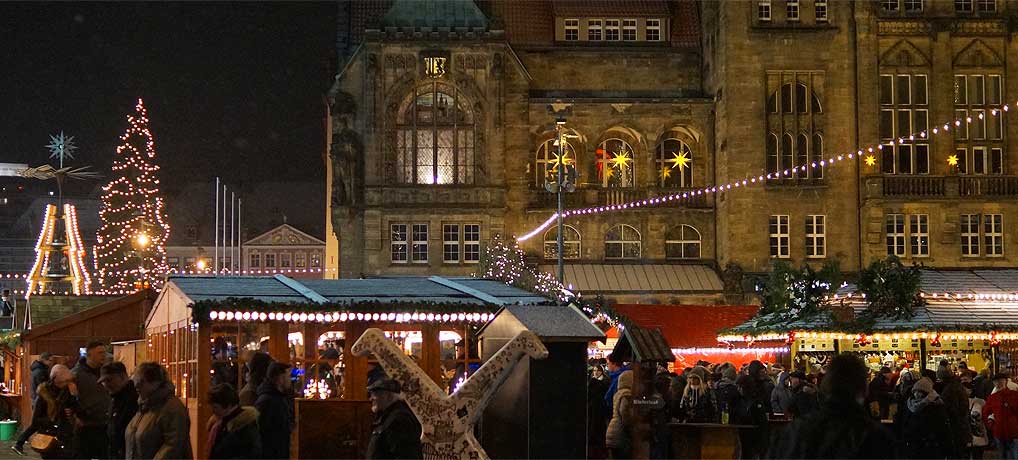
{"points": [[275, 411], [803, 399], [881, 392], [396, 433], [843, 427], [40, 374], [93, 403], [123, 406], [233, 429]]}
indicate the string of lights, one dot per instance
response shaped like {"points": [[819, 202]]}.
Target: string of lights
{"points": [[936, 336], [342, 317], [864, 154]]}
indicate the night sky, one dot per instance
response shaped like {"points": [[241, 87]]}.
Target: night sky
{"points": [[232, 89]]}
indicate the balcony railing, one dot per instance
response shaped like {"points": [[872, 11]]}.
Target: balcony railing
{"points": [[541, 199], [941, 187]]}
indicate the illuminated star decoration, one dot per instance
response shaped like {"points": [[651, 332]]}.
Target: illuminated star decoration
{"points": [[952, 160], [557, 161], [621, 159], [870, 160], [666, 172], [61, 147], [679, 160]]}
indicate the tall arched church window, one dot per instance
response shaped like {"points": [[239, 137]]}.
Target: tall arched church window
{"points": [[795, 118], [674, 163], [616, 162], [435, 137], [547, 160]]}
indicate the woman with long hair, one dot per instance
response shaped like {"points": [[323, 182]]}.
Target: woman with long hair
{"points": [[698, 404]]}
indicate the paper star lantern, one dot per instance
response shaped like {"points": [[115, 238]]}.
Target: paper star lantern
{"points": [[666, 172], [680, 160], [870, 160], [558, 161], [621, 159], [952, 160]]}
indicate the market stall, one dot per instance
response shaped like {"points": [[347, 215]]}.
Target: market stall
{"points": [[313, 324]]}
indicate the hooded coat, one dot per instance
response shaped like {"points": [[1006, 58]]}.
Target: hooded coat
{"points": [[161, 429], [49, 417], [926, 428], [395, 434], [275, 420], [40, 375], [619, 435], [781, 397], [237, 435]]}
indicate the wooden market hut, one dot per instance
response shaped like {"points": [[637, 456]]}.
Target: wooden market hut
{"points": [[970, 316], [434, 319], [119, 319]]}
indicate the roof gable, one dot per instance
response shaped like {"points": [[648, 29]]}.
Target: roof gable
{"points": [[284, 235]]}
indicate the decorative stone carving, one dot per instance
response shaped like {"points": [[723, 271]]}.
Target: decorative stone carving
{"points": [[979, 27], [346, 153], [978, 54], [905, 54], [448, 421], [903, 28]]}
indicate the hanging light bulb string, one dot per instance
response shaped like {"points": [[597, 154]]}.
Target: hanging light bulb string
{"points": [[859, 154]]}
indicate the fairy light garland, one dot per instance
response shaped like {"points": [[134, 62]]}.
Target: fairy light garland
{"points": [[132, 205], [728, 351], [864, 154], [342, 317], [957, 336]]}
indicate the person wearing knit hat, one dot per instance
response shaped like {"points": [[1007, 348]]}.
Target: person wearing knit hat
{"points": [[925, 425], [698, 404]]}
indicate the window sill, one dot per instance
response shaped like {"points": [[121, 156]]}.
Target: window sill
{"points": [[795, 183], [794, 26]]}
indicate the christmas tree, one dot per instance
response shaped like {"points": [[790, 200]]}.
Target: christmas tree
{"points": [[130, 251], [504, 261]]}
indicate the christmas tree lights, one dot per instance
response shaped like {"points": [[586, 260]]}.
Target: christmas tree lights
{"points": [[130, 252]]}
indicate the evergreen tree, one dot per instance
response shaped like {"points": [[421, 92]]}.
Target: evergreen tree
{"points": [[130, 252]]}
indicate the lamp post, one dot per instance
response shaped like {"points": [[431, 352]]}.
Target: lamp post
{"points": [[560, 166]]}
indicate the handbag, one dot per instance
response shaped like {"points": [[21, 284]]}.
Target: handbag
{"points": [[44, 443]]}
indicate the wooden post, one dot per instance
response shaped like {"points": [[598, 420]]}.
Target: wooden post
{"points": [[355, 377], [431, 352], [279, 347], [202, 382]]}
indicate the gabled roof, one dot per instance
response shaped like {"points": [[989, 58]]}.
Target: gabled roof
{"points": [[129, 300], [688, 326], [549, 322], [261, 240], [643, 345], [280, 289]]}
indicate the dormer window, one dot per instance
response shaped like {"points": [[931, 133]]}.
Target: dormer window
{"points": [[629, 30], [572, 29], [653, 30], [611, 30], [595, 30]]}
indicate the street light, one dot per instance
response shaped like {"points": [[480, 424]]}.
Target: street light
{"points": [[201, 265], [141, 242], [563, 182]]}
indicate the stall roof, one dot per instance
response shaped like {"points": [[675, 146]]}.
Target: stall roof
{"points": [[688, 326], [964, 282], [649, 278], [550, 322], [280, 289], [644, 345]]}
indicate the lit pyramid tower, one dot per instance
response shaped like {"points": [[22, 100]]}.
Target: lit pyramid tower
{"points": [[60, 255], [130, 251]]}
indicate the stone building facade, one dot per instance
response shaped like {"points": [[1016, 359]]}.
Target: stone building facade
{"points": [[444, 123]]}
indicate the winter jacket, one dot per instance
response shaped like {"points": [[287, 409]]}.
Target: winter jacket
{"points": [[609, 395], [395, 434], [40, 375], [275, 421], [956, 400], [49, 417], [781, 397], [1001, 414], [161, 429], [122, 409], [237, 436], [597, 416], [93, 400], [804, 401], [980, 436], [880, 391], [727, 396], [840, 429], [248, 394], [698, 407], [619, 434], [925, 429]]}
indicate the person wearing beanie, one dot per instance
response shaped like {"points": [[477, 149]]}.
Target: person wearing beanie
{"points": [[698, 404], [925, 425], [803, 396]]}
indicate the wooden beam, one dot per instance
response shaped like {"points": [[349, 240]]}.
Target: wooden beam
{"points": [[279, 346], [431, 352], [355, 377], [202, 383]]}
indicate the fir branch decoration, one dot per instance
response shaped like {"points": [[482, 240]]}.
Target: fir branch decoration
{"points": [[892, 289], [789, 294]]}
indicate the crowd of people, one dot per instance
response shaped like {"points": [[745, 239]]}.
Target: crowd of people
{"points": [[842, 411]]}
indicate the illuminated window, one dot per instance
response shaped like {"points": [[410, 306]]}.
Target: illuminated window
{"points": [[778, 229], [570, 243], [546, 161], [904, 115], [682, 242], [653, 30], [674, 164], [622, 242], [615, 164], [435, 137], [398, 243], [316, 259]]}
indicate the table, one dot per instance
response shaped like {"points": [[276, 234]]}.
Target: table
{"points": [[706, 440]]}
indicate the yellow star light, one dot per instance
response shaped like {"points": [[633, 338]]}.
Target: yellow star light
{"points": [[870, 160], [608, 172], [952, 160], [557, 161], [666, 172], [680, 160], [621, 159]]}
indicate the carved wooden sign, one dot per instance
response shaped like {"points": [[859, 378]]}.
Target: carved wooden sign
{"points": [[435, 63], [447, 421]]}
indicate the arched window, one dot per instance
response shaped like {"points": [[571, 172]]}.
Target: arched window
{"points": [[801, 154], [622, 242], [772, 153], [546, 161], [674, 163], [616, 161], [570, 243], [817, 155], [682, 242], [786, 155], [435, 137], [793, 101]]}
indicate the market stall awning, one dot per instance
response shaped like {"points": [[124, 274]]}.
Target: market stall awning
{"points": [[643, 278], [688, 326]]}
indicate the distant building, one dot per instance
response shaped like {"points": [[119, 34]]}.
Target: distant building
{"points": [[284, 249]]}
